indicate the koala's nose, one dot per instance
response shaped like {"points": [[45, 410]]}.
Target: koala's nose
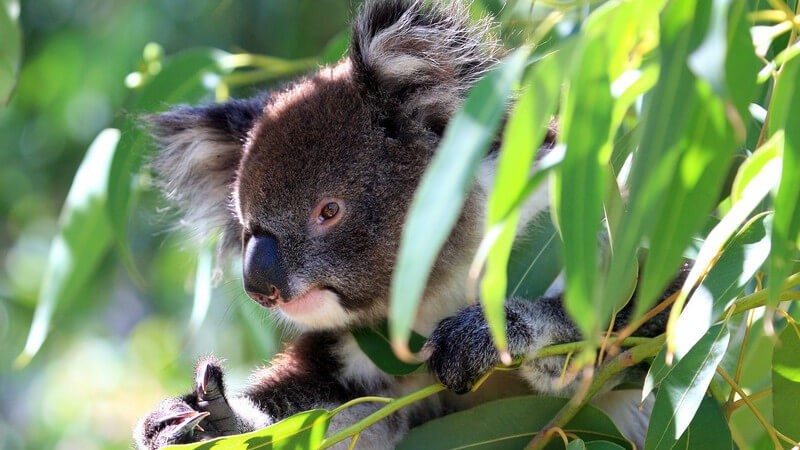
{"points": [[264, 270]]}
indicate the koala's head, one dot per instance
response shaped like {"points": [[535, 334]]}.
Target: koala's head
{"points": [[312, 183]]}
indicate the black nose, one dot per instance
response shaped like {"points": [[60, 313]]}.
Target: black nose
{"points": [[264, 270]]}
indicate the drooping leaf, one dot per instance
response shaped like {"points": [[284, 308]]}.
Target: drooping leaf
{"points": [[784, 112], [82, 240], [509, 424], [184, 78], [375, 343], [666, 119], [683, 386], [581, 183], [304, 430], [10, 48], [741, 258], [708, 430], [755, 191], [751, 167], [524, 133], [786, 382], [708, 144], [443, 190]]}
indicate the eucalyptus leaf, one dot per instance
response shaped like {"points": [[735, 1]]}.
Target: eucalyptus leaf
{"points": [[304, 430], [510, 424], [708, 431], [786, 382], [375, 343], [582, 183], [784, 111], [83, 239], [708, 145], [184, 78], [10, 48], [683, 387], [444, 187], [524, 133]]}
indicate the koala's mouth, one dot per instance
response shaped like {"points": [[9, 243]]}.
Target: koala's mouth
{"points": [[319, 307]]}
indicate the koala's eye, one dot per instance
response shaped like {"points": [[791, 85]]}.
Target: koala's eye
{"points": [[326, 214], [328, 211]]}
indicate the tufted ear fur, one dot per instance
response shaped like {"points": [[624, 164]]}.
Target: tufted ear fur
{"points": [[419, 58], [200, 151]]}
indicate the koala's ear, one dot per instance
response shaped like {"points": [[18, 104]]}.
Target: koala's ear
{"points": [[200, 148], [420, 57]]}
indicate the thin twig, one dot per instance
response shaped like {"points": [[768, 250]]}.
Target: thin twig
{"points": [[760, 417], [729, 405]]}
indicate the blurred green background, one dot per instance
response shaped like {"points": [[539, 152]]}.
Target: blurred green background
{"points": [[116, 349]]}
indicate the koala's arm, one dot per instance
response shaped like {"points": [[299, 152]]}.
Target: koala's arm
{"points": [[461, 348], [310, 373]]}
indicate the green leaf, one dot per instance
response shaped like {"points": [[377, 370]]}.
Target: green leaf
{"points": [[786, 382], [752, 166], [444, 188], [304, 430], [708, 144], [708, 430], [683, 387], [82, 240], [10, 48], [666, 119], [509, 424], [581, 183], [524, 133], [535, 260], [336, 47], [375, 343], [755, 191], [784, 111], [184, 78], [738, 264], [741, 258]]}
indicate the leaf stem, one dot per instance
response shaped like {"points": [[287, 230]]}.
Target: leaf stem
{"points": [[391, 407], [358, 400], [767, 427], [626, 359]]}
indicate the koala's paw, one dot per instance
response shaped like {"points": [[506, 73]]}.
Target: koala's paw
{"points": [[460, 350], [198, 416]]}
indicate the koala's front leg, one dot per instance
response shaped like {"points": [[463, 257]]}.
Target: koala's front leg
{"points": [[461, 348], [178, 420], [313, 372]]}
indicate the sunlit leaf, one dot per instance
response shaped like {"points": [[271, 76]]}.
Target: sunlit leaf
{"points": [[509, 424], [752, 166], [375, 343], [524, 133], [666, 119], [304, 430], [184, 78], [755, 191], [786, 382], [581, 183], [708, 143], [683, 387], [741, 258], [82, 240], [10, 48], [444, 188], [784, 113]]}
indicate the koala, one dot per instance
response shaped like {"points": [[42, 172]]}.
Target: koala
{"points": [[312, 184]]}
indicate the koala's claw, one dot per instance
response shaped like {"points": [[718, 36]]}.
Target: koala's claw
{"points": [[460, 350], [178, 420]]}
